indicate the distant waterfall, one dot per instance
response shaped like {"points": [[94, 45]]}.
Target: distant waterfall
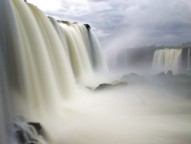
{"points": [[165, 60], [189, 60]]}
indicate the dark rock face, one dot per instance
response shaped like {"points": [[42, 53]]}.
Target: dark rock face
{"points": [[184, 58], [21, 136], [169, 73], [134, 75], [104, 85], [107, 85], [162, 74], [133, 78], [87, 26], [24, 138], [27, 132], [37, 127]]}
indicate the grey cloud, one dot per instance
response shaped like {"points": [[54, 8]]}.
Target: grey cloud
{"points": [[158, 22], [124, 23]]}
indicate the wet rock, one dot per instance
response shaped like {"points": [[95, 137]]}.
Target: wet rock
{"points": [[37, 127], [131, 75], [87, 26], [162, 74], [27, 132], [133, 78], [23, 136], [104, 85], [107, 85], [169, 73]]}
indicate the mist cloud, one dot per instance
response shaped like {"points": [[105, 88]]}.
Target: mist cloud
{"points": [[133, 22]]}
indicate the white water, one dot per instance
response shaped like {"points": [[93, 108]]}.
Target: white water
{"points": [[43, 74], [77, 51], [49, 67], [167, 59], [82, 47], [54, 60]]}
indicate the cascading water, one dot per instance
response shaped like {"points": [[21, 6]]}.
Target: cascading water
{"points": [[49, 55], [45, 59], [77, 50], [82, 47], [97, 59], [8, 40], [167, 59]]}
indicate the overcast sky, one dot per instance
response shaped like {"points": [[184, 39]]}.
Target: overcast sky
{"points": [[127, 23]]}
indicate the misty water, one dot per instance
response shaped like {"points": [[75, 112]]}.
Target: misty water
{"points": [[54, 74], [144, 111]]}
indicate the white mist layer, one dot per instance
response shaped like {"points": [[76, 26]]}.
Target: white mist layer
{"points": [[165, 60], [134, 114]]}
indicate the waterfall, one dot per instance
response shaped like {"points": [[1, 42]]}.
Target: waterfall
{"points": [[77, 48], [52, 56], [43, 60], [167, 59], [8, 41], [82, 47], [46, 71], [189, 60], [98, 61]]}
